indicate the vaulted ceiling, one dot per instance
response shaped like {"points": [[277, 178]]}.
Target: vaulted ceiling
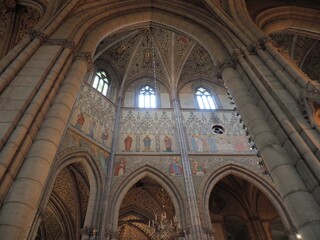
{"points": [[173, 57]]}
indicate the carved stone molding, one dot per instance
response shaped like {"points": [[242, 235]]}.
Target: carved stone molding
{"points": [[259, 44], [37, 34], [65, 43], [310, 103], [225, 63], [10, 3], [87, 57]]}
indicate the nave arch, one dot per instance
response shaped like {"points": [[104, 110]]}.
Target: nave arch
{"points": [[169, 185], [92, 174], [265, 186]]}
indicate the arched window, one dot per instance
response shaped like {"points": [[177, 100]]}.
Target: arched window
{"points": [[147, 97], [205, 99], [101, 82]]}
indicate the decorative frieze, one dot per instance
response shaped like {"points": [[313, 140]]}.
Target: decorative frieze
{"points": [[65, 43]]}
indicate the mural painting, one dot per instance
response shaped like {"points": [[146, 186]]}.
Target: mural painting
{"points": [[170, 165], [93, 116], [74, 142], [120, 167], [202, 138], [151, 131]]}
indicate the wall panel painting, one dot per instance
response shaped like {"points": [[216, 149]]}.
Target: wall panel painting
{"points": [[151, 131], [218, 132], [93, 116]]}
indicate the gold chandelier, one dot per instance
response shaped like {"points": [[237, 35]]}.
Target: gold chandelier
{"points": [[163, 228]]}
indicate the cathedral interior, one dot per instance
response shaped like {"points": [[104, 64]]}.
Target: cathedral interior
{"points": [[160, 119]]}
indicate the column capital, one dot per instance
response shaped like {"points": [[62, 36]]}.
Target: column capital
{"points": [[37, 34], [259, 44], [87, 57], [222, 64], [65, 43]]}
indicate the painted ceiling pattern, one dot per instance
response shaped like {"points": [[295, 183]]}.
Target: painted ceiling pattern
{"points": [[150, 198], [302, 50], [134, 54], [71, 189]]}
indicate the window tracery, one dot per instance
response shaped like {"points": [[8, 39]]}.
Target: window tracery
{"points": [[147, 97], [204, 98], [101, 82]]}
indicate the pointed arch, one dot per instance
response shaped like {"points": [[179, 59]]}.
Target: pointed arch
{"points": [[120, 190], [96, 186], [279, 18], [206, 188]]}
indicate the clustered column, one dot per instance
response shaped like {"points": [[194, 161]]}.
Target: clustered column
{"points": [[20, 206], [301, 205]]}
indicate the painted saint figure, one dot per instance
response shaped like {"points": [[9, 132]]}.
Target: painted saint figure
{"points": [[175, 168], [127, 143], [92, 128], [168, 143], [120, 167], [199, 169], [80, 120], [147, 143], [104, 137]]}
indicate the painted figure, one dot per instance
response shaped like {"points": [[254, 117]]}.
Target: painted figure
{"points": [[212, 143], [80, 120], [199, 169], [104, 137], [127, 143], [198, 143], [147, 143], [175, 168], [92, 128], [120, 167], [168, 143]]}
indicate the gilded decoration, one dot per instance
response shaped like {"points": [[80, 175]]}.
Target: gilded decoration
{"points": [[141, 203], [302, 50]]}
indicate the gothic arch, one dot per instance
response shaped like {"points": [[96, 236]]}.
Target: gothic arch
{"points": [[266, 188], [120, 190], [96, 26], [277, 19], [95, 178]]}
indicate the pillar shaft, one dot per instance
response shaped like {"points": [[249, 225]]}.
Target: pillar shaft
{"points": [[196, 230], [301, 205], [20, 206]]}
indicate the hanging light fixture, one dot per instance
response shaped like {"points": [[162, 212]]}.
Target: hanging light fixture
{"points": [[162, 227]]}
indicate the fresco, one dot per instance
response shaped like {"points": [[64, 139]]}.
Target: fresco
{"points": [[93, 116], [73, 142], [170, 165], [203, 139], [150, 131]]}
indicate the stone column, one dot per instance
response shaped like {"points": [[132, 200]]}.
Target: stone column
{"points": [[21, 203], [106, 231], [196, 229], [301, 206]]}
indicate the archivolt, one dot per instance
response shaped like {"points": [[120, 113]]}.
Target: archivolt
{"points": [[266, 188], [103, 19], [277, 19], [119, 192]]}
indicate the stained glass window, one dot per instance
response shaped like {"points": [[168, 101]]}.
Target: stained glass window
{"points": [[101, 82], [204, 99], [147, 97]]}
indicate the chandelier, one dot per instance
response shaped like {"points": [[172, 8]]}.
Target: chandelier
{"points": [[163, 228]]}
